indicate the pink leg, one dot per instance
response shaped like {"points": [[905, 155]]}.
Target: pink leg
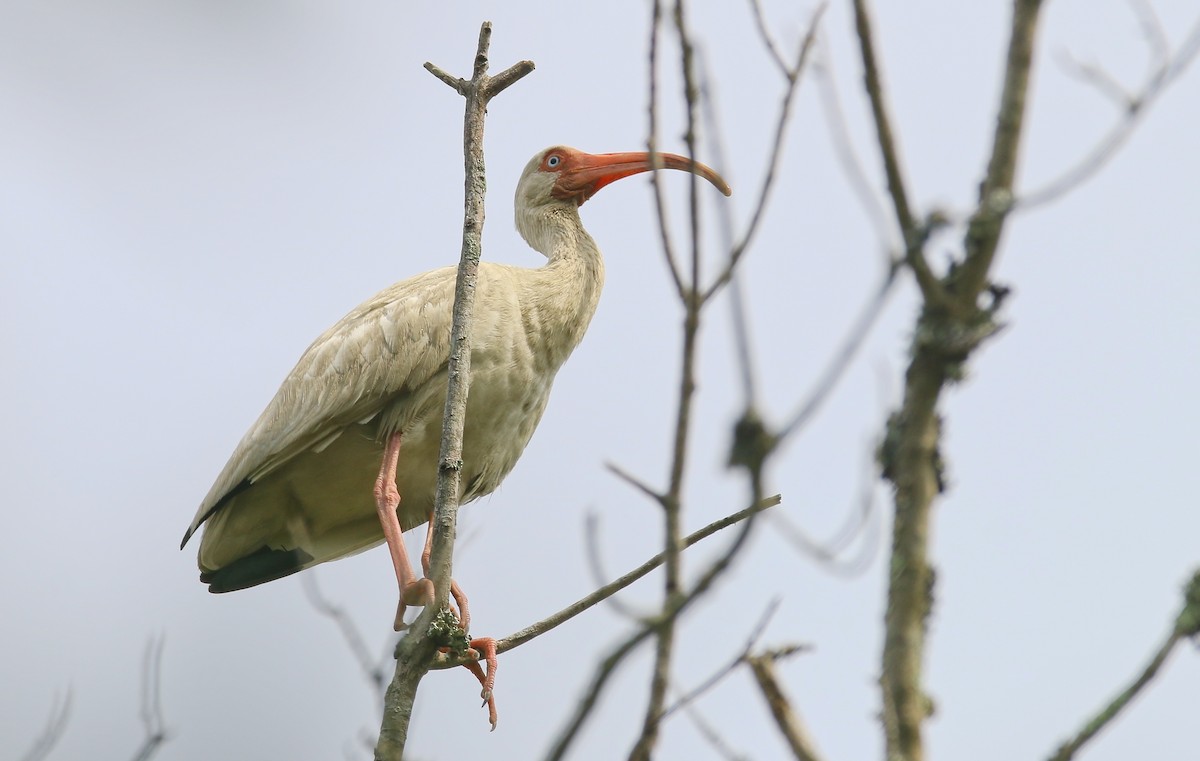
{"points": [[460, 597], [483, 646], [413, 591], [486, 646]]}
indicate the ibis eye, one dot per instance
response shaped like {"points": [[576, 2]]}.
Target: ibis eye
{"points": [[553, 161]]}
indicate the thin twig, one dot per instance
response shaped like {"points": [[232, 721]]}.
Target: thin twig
{"points": [[371, 669], [839, 134], [56, 725], [760, 23], [634, 481], [719, 675], [608, 667], [1167, 69], [660, 203], [710, 734], [151, 712], [855, 337], [857, 526], [909, 231], [743, 342], [535, 630], [1187, 624], [591, 540], [673, 592], [785, 111]]}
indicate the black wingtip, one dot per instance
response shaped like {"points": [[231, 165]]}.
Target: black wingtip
{"points": [[258, 568]]}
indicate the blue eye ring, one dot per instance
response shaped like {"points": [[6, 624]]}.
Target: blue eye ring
{"points": [[553, 161]]}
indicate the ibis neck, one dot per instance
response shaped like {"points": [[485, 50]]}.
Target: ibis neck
{"points": [[568, 287]]}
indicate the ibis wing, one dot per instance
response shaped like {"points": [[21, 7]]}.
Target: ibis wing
{"points": [[394, 341]]}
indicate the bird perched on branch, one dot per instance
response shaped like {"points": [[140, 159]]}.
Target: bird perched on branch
{"points": [[345, 456]]}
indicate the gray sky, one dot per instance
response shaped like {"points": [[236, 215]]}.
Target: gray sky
{"points": [[191, 192]]}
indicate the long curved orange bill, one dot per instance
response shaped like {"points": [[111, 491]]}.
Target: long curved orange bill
{"points": [[585, 173]]}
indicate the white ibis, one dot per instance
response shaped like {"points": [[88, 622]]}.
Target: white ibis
{"points": [[345, 456]]}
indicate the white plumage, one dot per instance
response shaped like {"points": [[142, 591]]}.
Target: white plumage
{"points": [[298, 489]]}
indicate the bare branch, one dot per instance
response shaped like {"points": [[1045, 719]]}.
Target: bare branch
{"points": [[673, 593], [660, 204], [541, 627], [1097, 77], [717, 677], [710, 734], [839, 134], [768, 41], [1166, 70], [786, 717], [670, 612], [56, 726], [598, 573], [415, 652], [910, 231], [909, 454], [371, 669], [785, 112], [635, 482], [858, 524], [853, 341], [1187, 623], [151, 713]]}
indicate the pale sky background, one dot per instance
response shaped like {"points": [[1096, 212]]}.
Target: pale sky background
{"points": [[190, 192]]}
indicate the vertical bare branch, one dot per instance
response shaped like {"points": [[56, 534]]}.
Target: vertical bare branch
{"points": [[672, 508], [56, 725], [947, 332], [996, 192], [151, 713], [909, 230], [660, 203], [415, 651]]}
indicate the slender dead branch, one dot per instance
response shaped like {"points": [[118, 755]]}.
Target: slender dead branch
{"points": [[786, 717], [711, 735], [415, 651], [1166, 69], [760, 22], [608, 667], [996, 191], [685, 700], [56, 726], [151, 712], [535, 630], [660, 203], [855, 337], [673, 591], [635, 482], [592, 541], [1187, 624], [859, 527], [839, 134], [910, 231], [372, 670], [793, 76]]}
